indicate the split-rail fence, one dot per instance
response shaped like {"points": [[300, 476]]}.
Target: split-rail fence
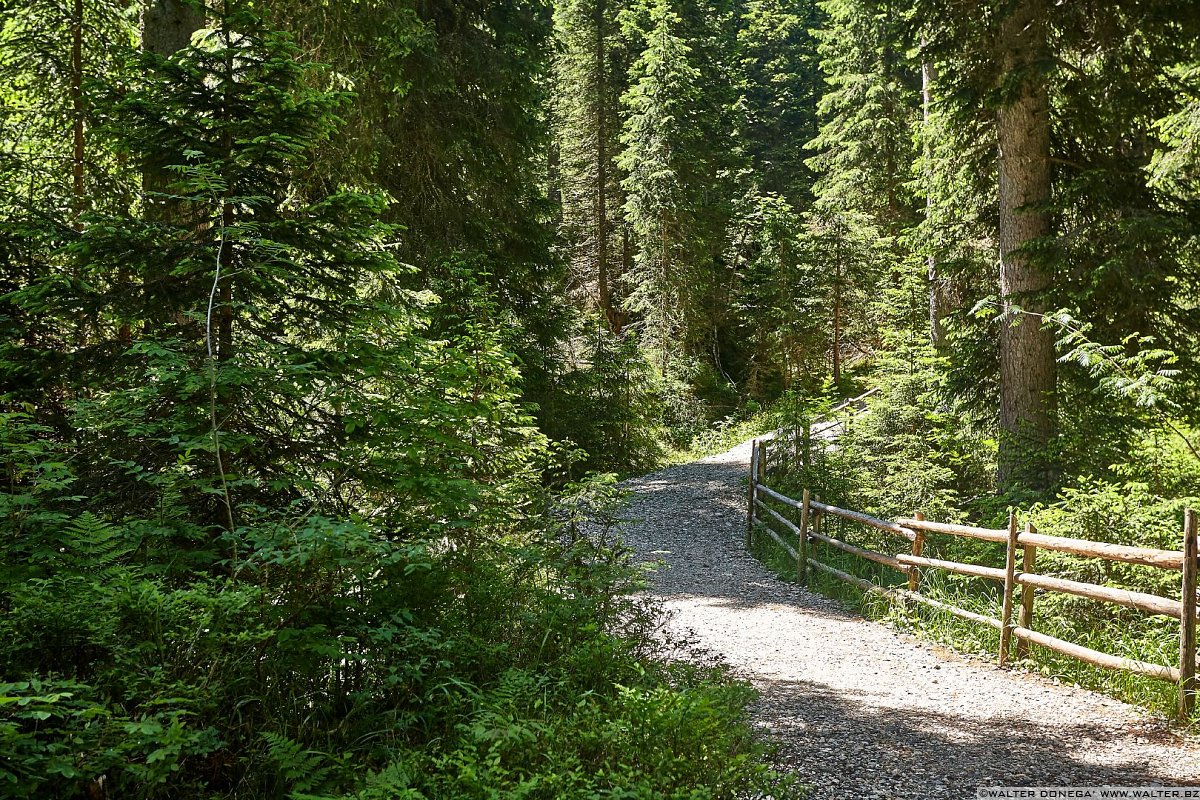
{"points": [[767, 506]]}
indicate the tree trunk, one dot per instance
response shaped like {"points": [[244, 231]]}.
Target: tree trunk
{"points": [[1027, 360], [937, 288], [168, 25], [78, 188], [839, 269], [603, 287], [167, 28], [77, 108]]}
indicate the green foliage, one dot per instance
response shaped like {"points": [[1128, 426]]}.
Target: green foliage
{"points": [[780, 90], [779, 298], [868, 112], [908, 452], [610, 405], [62, 733], [280, 529], [1173, 167]]}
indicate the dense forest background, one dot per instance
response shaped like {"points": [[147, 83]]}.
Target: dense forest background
{"points": [[314, 318]]}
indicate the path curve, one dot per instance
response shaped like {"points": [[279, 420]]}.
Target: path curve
{"points": [[860, 711]]}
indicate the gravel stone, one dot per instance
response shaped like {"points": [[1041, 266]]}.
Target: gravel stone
{"points": [[857, 709]]}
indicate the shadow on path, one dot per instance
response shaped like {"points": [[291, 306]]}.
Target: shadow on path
{"points": [[838, 745], [856, 709]]}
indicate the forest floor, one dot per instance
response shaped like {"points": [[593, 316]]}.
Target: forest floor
{"points": [[857, 709]]}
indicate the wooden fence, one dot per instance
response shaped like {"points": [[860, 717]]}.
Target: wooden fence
{"points": [[825, 427], [766, 506]]}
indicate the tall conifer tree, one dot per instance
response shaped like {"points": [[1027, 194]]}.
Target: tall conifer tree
{"points": [[590, 73]]}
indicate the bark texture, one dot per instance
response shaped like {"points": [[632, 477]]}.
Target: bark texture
{"points": [[603, 288], [1027, 360], [939, 289], [168, 25], [78, 112]]}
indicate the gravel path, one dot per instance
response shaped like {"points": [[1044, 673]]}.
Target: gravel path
{"points": [[860, 711]]}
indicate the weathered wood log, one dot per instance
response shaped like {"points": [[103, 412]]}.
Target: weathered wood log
{"points": [[903, 594], [818, 519], [1187, 624], [778, 539], [846, 577], [750, 499], [775, 515], [1096, 657], [783, 498], [812, 510], [918, 546], [974, 570], [1028, 566], [986, 534], [866, 519], [760, 475], [1142, 601], [1147, 556], [955, 610], [1151, 557], [1010, 568], [802, 543], [870, 555]]}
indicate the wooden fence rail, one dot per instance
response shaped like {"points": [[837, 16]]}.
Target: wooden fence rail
{"points": [[1019, 573], [823, 425]]}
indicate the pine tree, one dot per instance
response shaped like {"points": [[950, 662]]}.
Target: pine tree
{"points": [[590, 74], [657, 132], [868, 114], [777, 344], [680, 174], [864, 166], [450, 119], [781, 85], [276, 354], [1071, 105], [782, 279], [53, 56]]}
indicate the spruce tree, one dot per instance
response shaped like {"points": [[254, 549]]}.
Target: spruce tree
{"points": [[450, 119], [680, 174], [868, 114], [1070, 106], [589, 78], [864, 166], [780, 71]]}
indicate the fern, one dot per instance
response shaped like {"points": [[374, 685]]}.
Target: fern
{"points": [[393, 782], [93, 546], [301, 769]]}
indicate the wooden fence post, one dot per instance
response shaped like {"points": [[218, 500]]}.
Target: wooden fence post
{"points": [[750, 500], [1028, 565], [918, 546], [802, 544], [818, 518], [1010, 568], [758, 474], [1187, 620]]}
